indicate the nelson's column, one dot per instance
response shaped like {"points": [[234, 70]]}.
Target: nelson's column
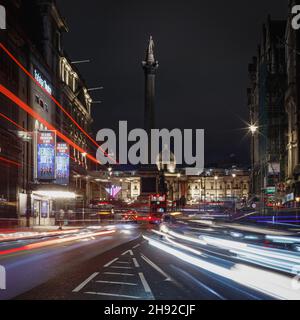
{"points": [[150, 66]]}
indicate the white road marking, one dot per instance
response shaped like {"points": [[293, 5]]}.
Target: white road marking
{"points": [[128, 251], [145, 283], [119, 274], [113, 295], [116, 267], [123, 262], [111, 262], [199, 283], [136, 264], [85, 282], [157, 268], [118, 282], [138, 245]]}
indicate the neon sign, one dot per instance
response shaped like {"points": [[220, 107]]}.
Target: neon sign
{"points": [[113, 191], [42, 82]]}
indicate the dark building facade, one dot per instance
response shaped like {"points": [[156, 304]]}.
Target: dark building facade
{"points": [[266, 96], [36, 70], [292, 105]]}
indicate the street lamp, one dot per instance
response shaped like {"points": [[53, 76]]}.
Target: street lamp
{"points": [[216, 187], [253, 129], [234, 193], [178, 177]]}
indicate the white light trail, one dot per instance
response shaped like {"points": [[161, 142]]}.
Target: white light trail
{"points": [[269, 283]]}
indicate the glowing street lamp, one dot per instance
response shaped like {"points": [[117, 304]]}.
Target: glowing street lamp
{"points": [[253, 128]]}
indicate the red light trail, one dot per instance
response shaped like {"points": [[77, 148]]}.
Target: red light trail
{"points": [[10, 162], [35, 115], [13, 122], [23, 129], [54, 100], [53, 242]]}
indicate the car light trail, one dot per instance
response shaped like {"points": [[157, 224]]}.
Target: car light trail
{"points": [[13, 122], [31, 235], [10, 162], [35, 115], [53, 242], [53, 99], [278, 259], [270, 283], [23, 129]]}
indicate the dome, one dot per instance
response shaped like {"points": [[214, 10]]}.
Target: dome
{"points": [[166, 160]]}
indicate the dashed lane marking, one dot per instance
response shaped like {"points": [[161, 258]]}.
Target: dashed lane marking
{"points": [[118, 282], [136, 246], [145, 283], [201, 284], [136, 264], [157, 268], [85, 282], [111, 262], [120, 267], [113, 295], [119, 273]]}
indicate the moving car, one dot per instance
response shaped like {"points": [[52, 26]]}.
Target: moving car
{"points": [[130, 216]]}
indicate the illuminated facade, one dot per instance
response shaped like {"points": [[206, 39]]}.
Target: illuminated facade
{"points": [[34, 67], [213, 185]]}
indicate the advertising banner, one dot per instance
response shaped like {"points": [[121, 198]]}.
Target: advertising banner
{"points": [[46, 141], [62, 163]]}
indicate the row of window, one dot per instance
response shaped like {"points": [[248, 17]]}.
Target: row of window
{"points": [[212, 186]]}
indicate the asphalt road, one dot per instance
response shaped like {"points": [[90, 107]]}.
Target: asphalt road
{"points": [[135, 263]]}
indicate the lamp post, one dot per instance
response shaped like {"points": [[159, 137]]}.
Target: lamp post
{"points": [[234, 194], [200, 194], [253, 129], [216, 188], [178, 191]]}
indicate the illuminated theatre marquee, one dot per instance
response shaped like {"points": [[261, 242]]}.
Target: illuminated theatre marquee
{"points": [[42, 82]]}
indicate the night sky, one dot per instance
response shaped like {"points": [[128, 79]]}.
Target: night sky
{"points": [[203, 48]]}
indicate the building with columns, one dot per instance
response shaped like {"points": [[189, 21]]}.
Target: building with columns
{"points": [[213, 185]]}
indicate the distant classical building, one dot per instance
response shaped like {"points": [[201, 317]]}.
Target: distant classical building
{"points": [[213, 185]]}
